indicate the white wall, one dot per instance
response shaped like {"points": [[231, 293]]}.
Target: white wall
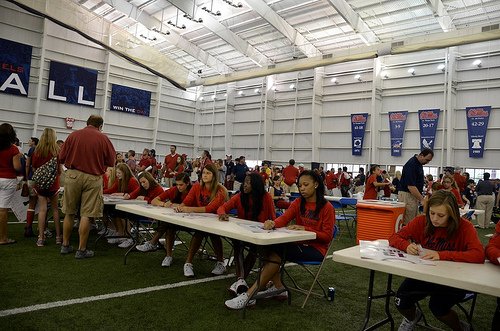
{"points": [[310, 122]]}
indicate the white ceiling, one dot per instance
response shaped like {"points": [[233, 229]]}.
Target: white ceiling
{"points": [[264, 32]]}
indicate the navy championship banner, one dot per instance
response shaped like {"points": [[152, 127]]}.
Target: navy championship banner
{"points": [[130, 100], [428, 121], [72, 84], [397, 122], [358, 127], [15, 63], [477, 125]]}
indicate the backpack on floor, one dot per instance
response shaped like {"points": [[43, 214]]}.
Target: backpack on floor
{"points": [[45, 175]]}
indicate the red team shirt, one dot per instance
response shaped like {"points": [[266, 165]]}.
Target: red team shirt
{"points": [[200, 197], [267, 213], [290, 175], [464, 246], [133, 185], [172, 195], [150, 194], [321, 225], [370, 189]]}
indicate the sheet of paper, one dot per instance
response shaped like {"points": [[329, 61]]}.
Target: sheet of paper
{"points": [[380, 250]]}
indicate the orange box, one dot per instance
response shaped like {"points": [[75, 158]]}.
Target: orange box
{"points": [[377, 219]]}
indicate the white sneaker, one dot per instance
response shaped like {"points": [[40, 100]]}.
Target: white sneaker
{"points": [[407, 325], [238, 287], [103, 231], [126, 243], [167, 262], [116, 240], [275, 293], [111, 233], [188, 270], [146, 247], [219, 269], [239, 302]]}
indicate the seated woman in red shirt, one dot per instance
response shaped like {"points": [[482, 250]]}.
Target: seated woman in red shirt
{"points": [[169, 199], [371, 187], [440, 234], [448, 184], [125, 182], [311, 213], [493, 254], [205, 197], [255, 204]]}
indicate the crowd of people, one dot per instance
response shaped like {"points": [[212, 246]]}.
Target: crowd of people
{"points": [[89, 166]]}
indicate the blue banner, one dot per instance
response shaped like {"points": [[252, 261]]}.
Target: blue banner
{"points": [[130, 100], [358, 127], [477, 125], [72, 84], [397, 122], [428, 122], [15, 63]]}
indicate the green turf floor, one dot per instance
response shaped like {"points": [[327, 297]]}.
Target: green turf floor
{"points": [[31, 275]]}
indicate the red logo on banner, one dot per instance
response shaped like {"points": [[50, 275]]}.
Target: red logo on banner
{"points": [[359, 118], [398, 117], [428, 115], [477, 112]]}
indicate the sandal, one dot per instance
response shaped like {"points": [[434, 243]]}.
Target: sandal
{"points": [[8, 242], [59, 240]]}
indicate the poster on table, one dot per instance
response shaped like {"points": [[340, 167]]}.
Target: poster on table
{"points": [[358, 128], [72, 84], [477, 125], [397, 122], [130, 100], [428, 121], [15, 64]]}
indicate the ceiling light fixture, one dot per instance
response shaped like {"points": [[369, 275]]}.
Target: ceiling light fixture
{"points": [[477, 63], [384, 74], [213, 97], [441, 67], [235, 5], [411, 71], [292, 86], [201, 98], [159, 31], [176, 24], [189, 17], [147, 38], [240, 92], [210, 11], [257, 90], [358, 78], [334, 80]]}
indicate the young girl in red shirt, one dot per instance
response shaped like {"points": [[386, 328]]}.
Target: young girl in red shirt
{"points": [[204, 197], [448, 184], [170, 198], [311, 213], [371, 187], [255, 204], [440, 234]]}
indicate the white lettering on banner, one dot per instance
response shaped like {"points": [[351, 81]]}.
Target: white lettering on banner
{"points": [[52, 96], [80, 98], [17, 86]]}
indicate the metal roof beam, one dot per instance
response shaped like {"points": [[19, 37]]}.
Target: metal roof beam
{"points": [[442, 15], [355, 21], [295, 37], [173, 38], [223, 32]]}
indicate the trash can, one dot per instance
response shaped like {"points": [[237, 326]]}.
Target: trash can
{"points": [[378, 219]]}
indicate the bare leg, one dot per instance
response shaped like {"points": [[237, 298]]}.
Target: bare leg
{"points": [[3, 225], [217, 243], [270, 271], [55, 213], [194, 246], [451, 320], [67, 228], [42, 216], [83, 231], [169, 241]]}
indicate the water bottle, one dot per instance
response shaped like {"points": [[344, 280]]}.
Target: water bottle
{"points": [[331, 293]]}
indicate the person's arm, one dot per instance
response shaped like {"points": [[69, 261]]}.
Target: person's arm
{"points": [[403, 239], [16, 162], [133, 195], [416, 193], [133, 184], [289, 214], [493, 247], [473, 253], [112, 189], [227, 206], [218, 201], [153, 193], [27, 168], [324, 232]]}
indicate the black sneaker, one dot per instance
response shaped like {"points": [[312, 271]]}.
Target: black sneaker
{"points": [[66, 249], [84, 254]]}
